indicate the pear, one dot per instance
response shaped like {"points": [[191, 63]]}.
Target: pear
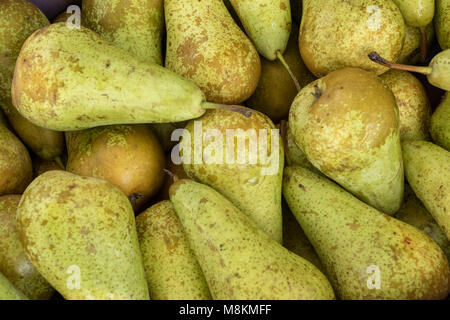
{"points": [[205, 45], [175, 170], [239, 261], [13, 262], [294, 155], [18, 20], [128, 156], [134, 25], [438, 72], [414, 213], [80, 234], [347, 124], [276, 90], [8, 291], [427, 168], [221, 150], [267, 23], [70, 79], [172, 270], [440, 124], [442, 23], [41, 166], [411, 50], [15, 164], [367, 254], [347, 31], [164, 133], [413, 104]]}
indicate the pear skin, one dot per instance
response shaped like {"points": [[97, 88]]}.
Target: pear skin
{"points": [[442, 23], [128, 156], [13, 262], [8, 291], [417, 13], [254, 186], [347, 31], [70, 79], [439, 74], [411, 47], [205, 45], [134, 25], [427, 169], [440, 124], [41, 166], [80, 234], [239, 261], [294, 155], [171, 267], [347, 124], [368, 255]]}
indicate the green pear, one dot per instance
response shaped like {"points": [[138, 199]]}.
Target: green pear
{"points": [[221, 150], [13, 262], [414, 213], [267, 23], [367, 254], [18, 20], [440, 124], [171, 267], [8, 291], [411, 50], [15, 164], [347, 31], [164, 133], [80, 234], [205, 45], [417, 13], [294, 155], [70, 79], [239, 261], [442, 23], [347, 124], [413, 104], [134, 25], [427, 169]]}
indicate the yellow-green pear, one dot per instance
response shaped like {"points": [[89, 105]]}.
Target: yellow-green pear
{"points": [[239, 261], [347, 124], [13, 262], [134, 25], [367, 255], [347, 31], [80, 234], [440, 124], [8, 291], [427, 169], [70, 79], [411, 50], [442, 23], [171, 267], [294, 155], [267, 23], [18, 20], [242, 158], [417, 13], [205, 45], [413, 104]]}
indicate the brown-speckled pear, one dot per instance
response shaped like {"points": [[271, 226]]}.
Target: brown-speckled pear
{"points": [[368, 255], [294, 155], [442, 23], [239, 261], [267, 23], [205, 45], [276, 90], [134, 25], [440, 124], [80, 234], [411, 50], [413, 104], [347, 124], [128, 156], [347, 31], [18, 20], [15, 164], [171, 267], [8, 291], [70, 79], [427, 169], [13, 262], [248, 173], [417, 13], [414, 213]]}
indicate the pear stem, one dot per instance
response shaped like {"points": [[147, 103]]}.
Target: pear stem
{"points": [[59, 162], [375, 57], [423, 45], [219, 106], [172, 175], [286, 66]]}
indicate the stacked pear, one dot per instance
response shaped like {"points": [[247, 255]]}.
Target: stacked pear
{"points": [[367, 254], [417, 13], [8, 291], [205, 45], [80, 234], [411, 50], [442, 23], [440, 124], [347, 124], [239, 261], [71, 79]]}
